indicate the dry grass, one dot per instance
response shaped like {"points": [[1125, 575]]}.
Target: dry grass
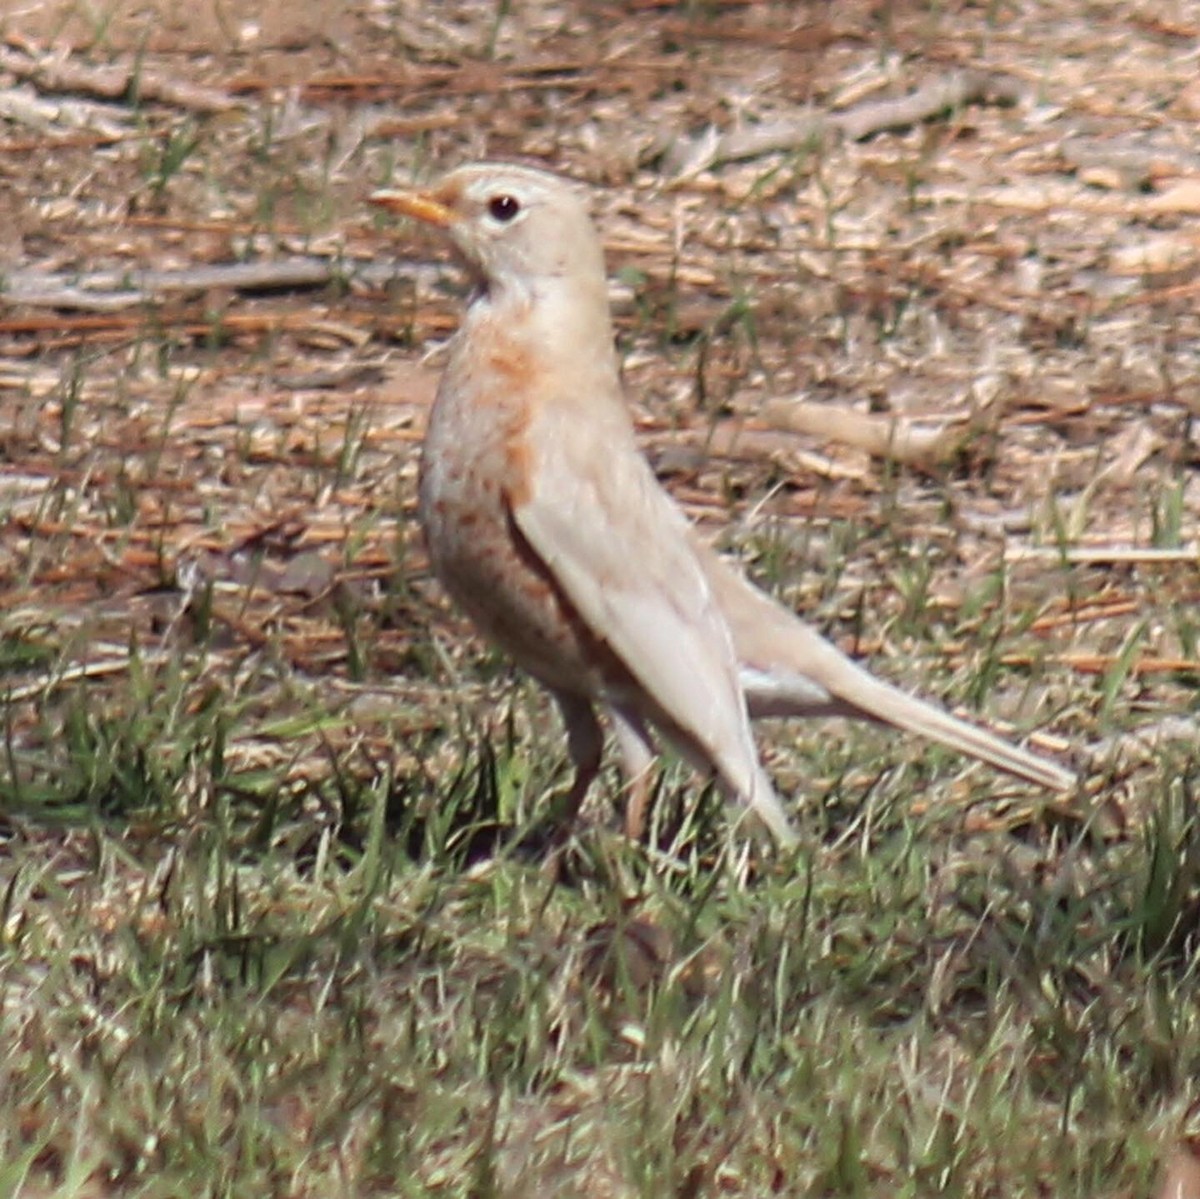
{"points": [[258, 932]]}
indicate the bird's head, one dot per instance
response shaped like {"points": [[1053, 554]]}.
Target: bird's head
{"points": [[512, 224]]}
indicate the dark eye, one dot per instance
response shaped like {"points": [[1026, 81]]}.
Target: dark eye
{"points": [[504, 208]]}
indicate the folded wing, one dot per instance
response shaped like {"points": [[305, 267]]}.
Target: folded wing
{"points": [[622, 554]]}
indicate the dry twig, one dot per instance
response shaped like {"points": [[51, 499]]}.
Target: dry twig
{"points": [[883, 436], [114, 291], [687, 156], [53, 72]]}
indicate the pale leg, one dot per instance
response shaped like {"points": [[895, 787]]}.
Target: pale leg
{"points": [[637, 756]]}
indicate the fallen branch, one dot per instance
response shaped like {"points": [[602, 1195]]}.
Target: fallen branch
{"points": [[1092, 555], [21, 106], [117, 326], [686, 156], [53, 72], [115, 291], [941, 96], [897, 439], [1180, 199]]}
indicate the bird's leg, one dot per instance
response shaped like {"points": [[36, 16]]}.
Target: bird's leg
{"points": [[637, 756], [585, 744]]}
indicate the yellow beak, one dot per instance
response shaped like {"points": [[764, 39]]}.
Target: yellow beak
{"points": [[421, 206]]}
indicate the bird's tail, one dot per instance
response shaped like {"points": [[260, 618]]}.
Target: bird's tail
{"points": [[855, 692], [788, 669]]}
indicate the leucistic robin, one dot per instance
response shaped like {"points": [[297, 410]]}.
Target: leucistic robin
{"points": [[547, 526]]}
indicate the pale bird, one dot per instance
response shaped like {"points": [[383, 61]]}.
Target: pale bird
{"points": [[546, 524]]}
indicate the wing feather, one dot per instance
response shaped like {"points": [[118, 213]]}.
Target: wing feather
{"points": [[621, 551]]}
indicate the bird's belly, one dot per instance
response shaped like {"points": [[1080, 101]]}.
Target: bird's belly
{"points": [[491, 572]]}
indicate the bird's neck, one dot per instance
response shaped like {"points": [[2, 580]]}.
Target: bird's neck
{"points": [[557, 320]]}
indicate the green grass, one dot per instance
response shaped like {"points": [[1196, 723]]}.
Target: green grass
{"points": [[219, 985]]}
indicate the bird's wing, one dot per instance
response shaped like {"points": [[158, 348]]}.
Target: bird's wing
{"points": [[620, 550]]}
